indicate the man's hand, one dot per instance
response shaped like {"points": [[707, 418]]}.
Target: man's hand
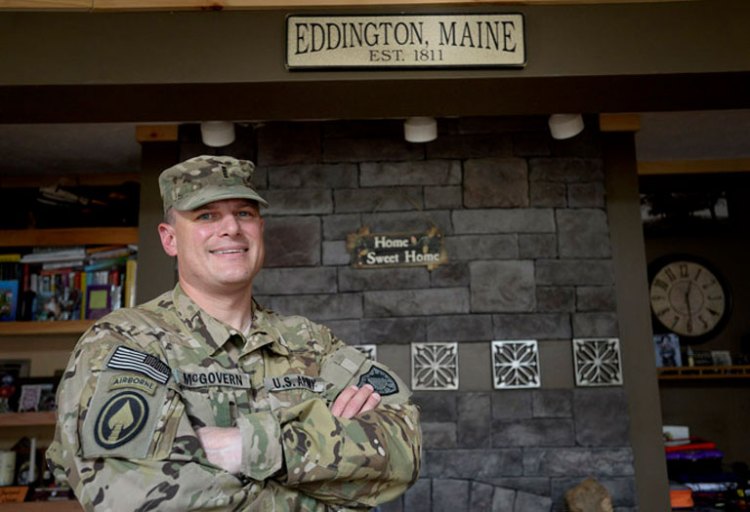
{"points": [[354, 400], [223, 447]]}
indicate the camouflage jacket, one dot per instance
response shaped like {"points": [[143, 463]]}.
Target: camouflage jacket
{"points": [[141, 381]]}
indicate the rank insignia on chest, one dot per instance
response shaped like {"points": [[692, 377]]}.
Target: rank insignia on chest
{"points": [[382, 381]]}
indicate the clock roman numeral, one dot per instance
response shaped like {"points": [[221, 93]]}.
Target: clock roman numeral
{"points": [[684, 270], [661, 284], [670, 274]]}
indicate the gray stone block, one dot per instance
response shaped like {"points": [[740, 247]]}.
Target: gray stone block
{"points": [[408, 222], [502, 286], [547, 194], [450, 274], [370, 149], [583, 233], [534, 432], [526, 502], [439, 435], [511, 405], [394, 330], [436, 301], [473, 464], [513, 220], [338, 227], [459, 328], [503, 500], [289, 143], [313, 176], [556, 299], [538, 326], [421, 173], [449, 495], [496, 183], [292, 241], [474, 146], [319, 307], [396, 505], [576, 272], [582, 462], [436, 198], [481, 247], [335, 253], [474, 412], [592, 325], [601, 417], [531, 144], [596, 298], [537, 246], [353, 279], [419, 497], [437, 406], [377, 199], [566, 170], [285, 281], [534, 485], [552, 403], [586, 195], [345, 330], [481, 496]]}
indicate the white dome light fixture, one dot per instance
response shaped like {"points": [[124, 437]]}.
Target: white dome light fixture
{"points": [[565, 126], [420, 129], [217, 133]]}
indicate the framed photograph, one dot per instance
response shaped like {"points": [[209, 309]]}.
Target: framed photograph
{"points": [[721, 357], [11, 372], [37, 394], [8, 300], [98, 301], [667, 350]]}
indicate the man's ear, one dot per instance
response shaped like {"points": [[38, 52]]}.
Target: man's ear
{"points": [[168, 239]]}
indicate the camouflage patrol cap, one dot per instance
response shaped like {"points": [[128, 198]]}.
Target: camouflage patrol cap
{"points": [[204, 179]]}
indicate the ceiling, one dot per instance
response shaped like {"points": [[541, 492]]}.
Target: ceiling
{"points": [[85, 148]]}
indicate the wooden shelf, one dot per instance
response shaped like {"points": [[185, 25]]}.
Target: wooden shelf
{"points": [[67, 236], [704, 372], [37, 328], [42, 506], [27, 419]]}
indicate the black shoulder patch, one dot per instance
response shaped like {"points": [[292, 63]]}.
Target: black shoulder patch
{"points": [[120, 420], [379, 379]]}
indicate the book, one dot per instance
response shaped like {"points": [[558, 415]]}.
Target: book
{"points": [[41, 255], [8, 300]]}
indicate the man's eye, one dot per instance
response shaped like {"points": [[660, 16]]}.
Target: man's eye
{"points": [[204, 216], [246, 213]]}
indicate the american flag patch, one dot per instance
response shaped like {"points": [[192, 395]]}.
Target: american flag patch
{"points": [[125, 358]]}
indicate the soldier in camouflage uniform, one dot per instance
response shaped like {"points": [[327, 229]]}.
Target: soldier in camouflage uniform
{"points": [[203, 400]]}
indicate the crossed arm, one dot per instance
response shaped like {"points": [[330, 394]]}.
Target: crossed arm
{"points": [[223, 446]]}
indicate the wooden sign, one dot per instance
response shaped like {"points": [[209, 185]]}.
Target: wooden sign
{"points": [[383, 250], [405, 41]]}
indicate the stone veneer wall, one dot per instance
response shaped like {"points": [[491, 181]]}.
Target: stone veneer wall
{"points": [[525, 225]]}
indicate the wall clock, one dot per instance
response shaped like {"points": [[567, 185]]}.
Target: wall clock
{"points": [[688, 297]]}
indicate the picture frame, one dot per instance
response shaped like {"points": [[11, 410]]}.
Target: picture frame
{"points": [[667, 350], [11, 373], [721, 357], [98, 301], [8, 300], [37, 394]]}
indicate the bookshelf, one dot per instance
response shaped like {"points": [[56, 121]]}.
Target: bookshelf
{"points": [[704, 372], [35, 328], [42, 506], [67, 236]]}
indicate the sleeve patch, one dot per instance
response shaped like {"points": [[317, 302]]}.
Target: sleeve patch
{"points": [[120, 420], [125, 358], [382, 381]]}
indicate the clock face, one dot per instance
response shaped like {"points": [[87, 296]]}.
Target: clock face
{"points": [[689, 298]]}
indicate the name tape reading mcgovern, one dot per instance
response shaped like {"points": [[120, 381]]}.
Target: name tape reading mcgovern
{"points": [[472, 40]]}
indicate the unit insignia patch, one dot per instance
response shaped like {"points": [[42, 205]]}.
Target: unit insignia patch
{"points": [[379, 379], [120, 420]]}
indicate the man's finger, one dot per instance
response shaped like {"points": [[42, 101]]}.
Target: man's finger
{"points": [[342, 400], [357, 401], [371, 403]]}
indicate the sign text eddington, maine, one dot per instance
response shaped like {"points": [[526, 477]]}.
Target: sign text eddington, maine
{"points": [[472, 40]]}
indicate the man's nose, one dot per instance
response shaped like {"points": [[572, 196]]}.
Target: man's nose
{"points": [[229, 225]]}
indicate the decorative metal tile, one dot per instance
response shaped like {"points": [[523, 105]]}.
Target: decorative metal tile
{"points": [[370, 351], [515, 364], [597, 362], [434, 366]]}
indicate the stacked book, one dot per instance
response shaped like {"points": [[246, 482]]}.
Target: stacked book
{"points": [[75, 283]]}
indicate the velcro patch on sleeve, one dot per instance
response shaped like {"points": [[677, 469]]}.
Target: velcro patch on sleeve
{"points": [[124, 358], [382, 381]]}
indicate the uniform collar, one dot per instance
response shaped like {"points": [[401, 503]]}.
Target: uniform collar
{"points": [[212, 334]]}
